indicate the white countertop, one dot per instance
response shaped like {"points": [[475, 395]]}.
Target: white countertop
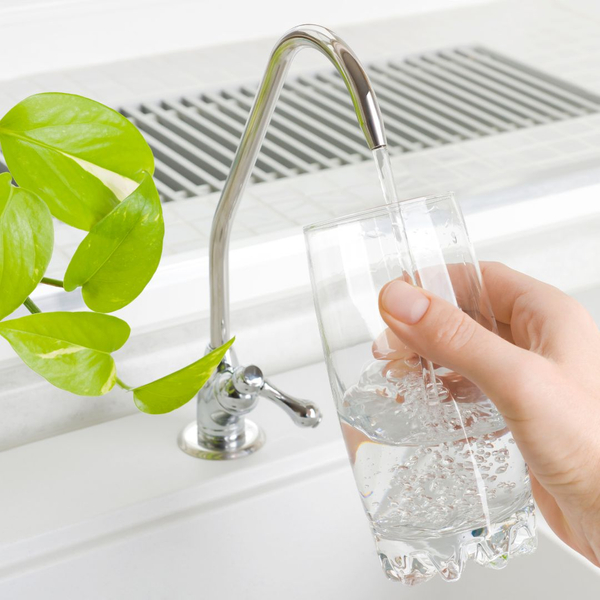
{"points": [[118, 511]]}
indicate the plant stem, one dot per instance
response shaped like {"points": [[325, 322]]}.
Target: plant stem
{"points": [[123, 385], [31, 306], [53, 282]]}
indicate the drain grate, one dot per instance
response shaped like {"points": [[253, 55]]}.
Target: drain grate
{"points": [[427, 100]]}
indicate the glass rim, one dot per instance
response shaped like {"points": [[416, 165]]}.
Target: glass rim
{"points": [[374, 211]]}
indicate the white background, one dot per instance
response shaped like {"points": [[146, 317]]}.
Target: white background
{"points": [[47, 35]]}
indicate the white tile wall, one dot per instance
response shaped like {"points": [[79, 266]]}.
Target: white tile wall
{"points": [[557, 37]]}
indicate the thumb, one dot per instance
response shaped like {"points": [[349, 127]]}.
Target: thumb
{"points": [[446, 335]]}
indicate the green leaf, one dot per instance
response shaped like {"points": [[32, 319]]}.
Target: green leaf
{"points": [[70, 350], [26, 241], [79, 156], [117, 259], [175, 390]]}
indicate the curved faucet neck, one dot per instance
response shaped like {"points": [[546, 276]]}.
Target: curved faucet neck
{"points": [[369, 118]]}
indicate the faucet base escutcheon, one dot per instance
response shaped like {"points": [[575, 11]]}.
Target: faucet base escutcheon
{"points": [[188, 441]]}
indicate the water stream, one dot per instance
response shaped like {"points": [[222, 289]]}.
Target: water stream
{"points": [[432, 400], [385, 173]]}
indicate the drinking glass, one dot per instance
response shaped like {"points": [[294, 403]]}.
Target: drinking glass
{"points": [[440, 476]]}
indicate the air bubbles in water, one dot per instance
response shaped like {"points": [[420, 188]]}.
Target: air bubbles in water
{"points": [[438, 480]]}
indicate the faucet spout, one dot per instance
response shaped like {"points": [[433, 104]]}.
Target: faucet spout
{"points": [[221, 430], [369, 118]]}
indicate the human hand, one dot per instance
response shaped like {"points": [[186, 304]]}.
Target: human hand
{"points": [[543, 374]]}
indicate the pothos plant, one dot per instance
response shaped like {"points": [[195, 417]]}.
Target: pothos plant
{"points": [[89, 167]]}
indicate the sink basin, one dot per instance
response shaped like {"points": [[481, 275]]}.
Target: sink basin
{"points": [[118, 511]]}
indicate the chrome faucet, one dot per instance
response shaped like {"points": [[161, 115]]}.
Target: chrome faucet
{"points": [[221, 430]]}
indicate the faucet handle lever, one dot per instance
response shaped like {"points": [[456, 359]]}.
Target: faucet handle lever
{"points": [[302, 412]]}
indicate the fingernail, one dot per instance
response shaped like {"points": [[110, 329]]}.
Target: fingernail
{"points": [[404, 302]]}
